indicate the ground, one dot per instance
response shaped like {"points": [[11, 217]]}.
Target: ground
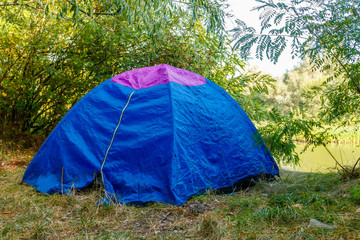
{"points": [[280, 209]]}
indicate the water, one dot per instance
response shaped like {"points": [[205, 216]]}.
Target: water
{"points": [[319, 160]]}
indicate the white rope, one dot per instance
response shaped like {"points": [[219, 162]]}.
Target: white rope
{"points": [[113, 136]]}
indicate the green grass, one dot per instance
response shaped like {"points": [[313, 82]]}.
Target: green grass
{"points": [[270, 210]]}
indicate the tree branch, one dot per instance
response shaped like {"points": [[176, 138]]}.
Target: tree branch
{"points": [[282, 35], [175, 1], [97, 13], [336, 160], [354, 168], [357, 87], [347, 72], [107, 14], [16, 3], [89, 15]]}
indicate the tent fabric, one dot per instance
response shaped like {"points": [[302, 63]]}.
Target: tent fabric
{"points": [[162, 74], [151, 138]]}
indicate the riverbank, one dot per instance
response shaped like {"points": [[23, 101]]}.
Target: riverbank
{"points": [[282, 209]]}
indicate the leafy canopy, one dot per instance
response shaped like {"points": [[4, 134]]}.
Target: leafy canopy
{"points": [[327, 33], [54, 52]]}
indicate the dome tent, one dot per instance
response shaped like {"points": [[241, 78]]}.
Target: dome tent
{"points": [[153, 134]]}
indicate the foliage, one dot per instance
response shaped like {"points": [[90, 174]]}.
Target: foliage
{"points": [[303, 92], [299, 90], [325, 31], [246, 89], [53, 52], [71, 46], [325, 34], [280, 121], [280, 131], [251, 90], [301, 110]]}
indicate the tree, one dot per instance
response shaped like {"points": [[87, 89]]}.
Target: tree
{"points": [[54, 52], [301, 90], [326, 32]]}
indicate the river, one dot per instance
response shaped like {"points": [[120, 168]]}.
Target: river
{"points": [[319, 160]]}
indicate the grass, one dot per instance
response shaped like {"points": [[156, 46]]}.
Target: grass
{"points": [[270, 210]]}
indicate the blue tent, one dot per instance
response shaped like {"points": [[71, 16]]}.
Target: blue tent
{"points": [[153, 134]]}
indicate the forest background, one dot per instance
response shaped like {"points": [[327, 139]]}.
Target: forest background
{"points": [[53, 52]]}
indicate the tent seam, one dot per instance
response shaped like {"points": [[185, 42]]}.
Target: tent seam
{"points": [[173, 137], [113, 136], [217, 137]]}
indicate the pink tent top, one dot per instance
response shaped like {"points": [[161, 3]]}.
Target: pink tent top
{"points": [[161, 74]]}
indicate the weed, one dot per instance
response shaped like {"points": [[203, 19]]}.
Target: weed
{"points": [[210, 227]]}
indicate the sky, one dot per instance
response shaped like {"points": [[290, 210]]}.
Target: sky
{"points": [[241, 9]]}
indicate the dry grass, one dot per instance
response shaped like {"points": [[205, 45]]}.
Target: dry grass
{"points": [[275, 210]]}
